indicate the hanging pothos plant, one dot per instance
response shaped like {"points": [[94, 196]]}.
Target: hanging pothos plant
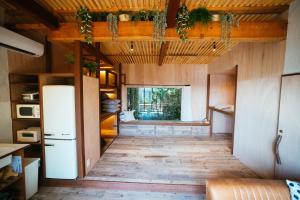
{"points": [[182, 22], [112, 21], [227, 21], [85, 21], [159, 25]]}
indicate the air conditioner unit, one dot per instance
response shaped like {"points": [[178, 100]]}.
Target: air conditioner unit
{"points": [[19, 43]]}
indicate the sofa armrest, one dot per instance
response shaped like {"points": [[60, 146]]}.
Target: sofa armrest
{"points": [[246, 189]]}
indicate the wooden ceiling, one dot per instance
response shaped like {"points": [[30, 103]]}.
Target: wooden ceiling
{"points": [[191, 52], [199, 50]]}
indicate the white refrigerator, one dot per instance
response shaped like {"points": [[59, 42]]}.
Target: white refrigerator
{"points": [[60, 131]]}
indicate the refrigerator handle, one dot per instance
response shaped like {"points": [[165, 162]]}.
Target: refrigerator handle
{"points": [[48, 134], [49, 145]]}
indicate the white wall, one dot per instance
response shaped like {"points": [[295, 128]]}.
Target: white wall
{"points": [[292, 54], [5, 119]]}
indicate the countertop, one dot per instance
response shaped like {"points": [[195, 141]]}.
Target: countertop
{"points": [[7, 148]]}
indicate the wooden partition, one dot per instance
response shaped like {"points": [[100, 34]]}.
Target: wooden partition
{"points": [[260, 67], [91, 121]]}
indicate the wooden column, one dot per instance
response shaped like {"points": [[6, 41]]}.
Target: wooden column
{"points": [[79, 108]]}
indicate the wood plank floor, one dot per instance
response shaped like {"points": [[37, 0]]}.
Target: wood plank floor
{"points": [[168, 160], [67, 193]]}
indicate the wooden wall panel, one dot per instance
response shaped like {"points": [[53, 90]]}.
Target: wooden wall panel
{"points": [[20, 63], [222, 92], [258, 88], [169, 74], [222, 89], [91, 121], [59, 52]]}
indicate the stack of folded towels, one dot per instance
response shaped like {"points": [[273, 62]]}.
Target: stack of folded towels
{"points": [[111, 105]]}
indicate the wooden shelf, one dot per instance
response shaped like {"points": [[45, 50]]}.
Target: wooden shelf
{"points": [[24, 84], [104, 116], [230, 113], [8, 182], [105, 87], [20, 101], [26, 119], [31, 143]]}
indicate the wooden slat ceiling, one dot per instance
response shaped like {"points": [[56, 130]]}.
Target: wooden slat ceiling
{"points": [[65, 6], [191, 52]]}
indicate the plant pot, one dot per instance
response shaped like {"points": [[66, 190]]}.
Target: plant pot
{"points": [[124, 18], [85, 71], [215, 17]]}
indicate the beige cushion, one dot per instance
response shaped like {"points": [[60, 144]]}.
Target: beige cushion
{"points": [[246, 189]]}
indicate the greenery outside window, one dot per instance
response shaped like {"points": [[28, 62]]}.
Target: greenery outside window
{"points": [[152, 103]]}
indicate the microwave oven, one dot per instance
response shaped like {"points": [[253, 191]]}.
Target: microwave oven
{"points": [[28, 110], [31, 134]]}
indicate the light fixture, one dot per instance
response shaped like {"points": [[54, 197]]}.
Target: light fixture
{"points": [[131, 46], [214, 46]]}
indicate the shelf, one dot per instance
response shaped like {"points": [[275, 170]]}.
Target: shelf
{"points": [[8, 182], [26, 119], [104, 116], [20, 101], [105, 87], [230, 113], [24, 83], [31, 143]]}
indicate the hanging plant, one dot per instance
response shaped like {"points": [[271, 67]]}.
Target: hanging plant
{"points": [[112, 21], [200, 15], [99, 17], [143, 15], [85, 21], [227, 21], [182, 22], [159, 25]]}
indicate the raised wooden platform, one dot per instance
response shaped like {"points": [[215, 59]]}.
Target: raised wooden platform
{"points": [[168, 160], [166, 123]]}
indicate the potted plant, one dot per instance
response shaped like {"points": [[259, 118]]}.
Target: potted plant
{"points": [[159, 25], [85, 21], [91, 68], [227, 21], [112, 21], [183, 22], [99, 17], [200, 15], [124, 16]]}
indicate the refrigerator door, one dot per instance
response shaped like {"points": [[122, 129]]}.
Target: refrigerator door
{"points": [[59, 111], [61, 159]]}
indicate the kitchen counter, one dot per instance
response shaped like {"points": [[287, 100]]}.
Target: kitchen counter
{"points": [[7, 148]]}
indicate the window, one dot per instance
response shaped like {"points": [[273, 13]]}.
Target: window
{"points": [[155, 103]]}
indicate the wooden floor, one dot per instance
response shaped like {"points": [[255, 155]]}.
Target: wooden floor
{"points": [[168, 160], [66, 193]]}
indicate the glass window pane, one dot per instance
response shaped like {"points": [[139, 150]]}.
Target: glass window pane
{"points": [[155, 103]]}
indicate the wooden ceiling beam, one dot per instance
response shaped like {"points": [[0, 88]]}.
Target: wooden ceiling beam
{"points": [[173, 7], [163, 52], [37, 11], [128, 31]]}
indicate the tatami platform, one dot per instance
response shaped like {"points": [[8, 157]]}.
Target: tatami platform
{"points": [[168, 160]]}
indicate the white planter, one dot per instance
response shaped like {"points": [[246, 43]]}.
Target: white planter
{"points": [[124, 17]]}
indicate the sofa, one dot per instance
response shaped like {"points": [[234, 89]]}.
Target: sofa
{"points": [[246, 189]]}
